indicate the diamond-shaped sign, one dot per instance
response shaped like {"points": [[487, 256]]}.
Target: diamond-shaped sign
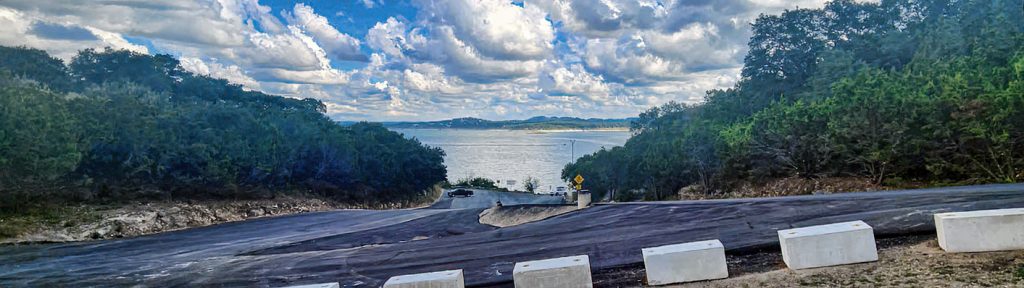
{"points": [[578, 179]]}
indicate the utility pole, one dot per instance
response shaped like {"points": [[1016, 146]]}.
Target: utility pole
{"points": [[572, 155]]}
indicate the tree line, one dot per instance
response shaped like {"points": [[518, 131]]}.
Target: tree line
{"points": [[123, 125], [901, 90]]}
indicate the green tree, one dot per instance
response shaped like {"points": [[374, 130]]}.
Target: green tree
{"points": [[38, 140], [132, 123], [531, 184]]}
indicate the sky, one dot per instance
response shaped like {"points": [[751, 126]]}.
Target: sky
{"points": [[419, 60]]}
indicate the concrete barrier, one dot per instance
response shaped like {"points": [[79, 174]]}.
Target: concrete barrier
{"points": [[565, 272], [321, 285], [583, 199], [978, 231], [441, 279], [686, 262], [828, 245]]}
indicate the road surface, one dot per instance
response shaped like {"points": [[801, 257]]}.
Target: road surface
{"points": [[484, 199], [360, 248]]}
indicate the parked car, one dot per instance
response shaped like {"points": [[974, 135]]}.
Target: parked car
{"points": [[460, 192]]}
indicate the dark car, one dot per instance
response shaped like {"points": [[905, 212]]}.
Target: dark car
{"points": [[460, 192]]}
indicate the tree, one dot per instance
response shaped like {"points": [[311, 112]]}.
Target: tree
{"points": [[902, 89], [531, 184], [131, 123], [875, 124], [38, 139]]}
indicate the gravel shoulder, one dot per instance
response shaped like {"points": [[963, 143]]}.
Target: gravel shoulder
{"points": [[908, 261]]}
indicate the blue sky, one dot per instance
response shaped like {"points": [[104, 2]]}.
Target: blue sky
{"points": [[383, 60]]}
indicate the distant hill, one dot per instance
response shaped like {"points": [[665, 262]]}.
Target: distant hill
{"points": [[535, 123]]}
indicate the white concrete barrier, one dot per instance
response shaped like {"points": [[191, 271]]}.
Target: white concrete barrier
{"points": [[583, 199], [686, 262], [828, 245], [321, 285], [978, 231], [565, 272], [441, 279]]}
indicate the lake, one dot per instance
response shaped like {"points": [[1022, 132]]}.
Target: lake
{"points": [[504, 155]]}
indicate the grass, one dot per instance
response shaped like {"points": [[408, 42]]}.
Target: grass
{"points": [[26, 217], [10, 228], [1019, 273]]}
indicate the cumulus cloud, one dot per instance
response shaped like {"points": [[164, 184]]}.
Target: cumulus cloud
{"points": [[239, 33], [466, 61], [429, 78], [572, 81], [183, 21], [232, 73], [449, 58], [496, 29], [62, 40], [390, 38], [293, 51], [339, 46], [476, 41], [605, 18]]}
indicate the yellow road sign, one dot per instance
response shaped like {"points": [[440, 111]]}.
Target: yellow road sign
{"points": [[579, 187], [578, 179]]}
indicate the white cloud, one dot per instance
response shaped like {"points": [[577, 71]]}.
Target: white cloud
{"points": [[321, 76], [605, 18], [293, 51], [389, 37], [465, 61], [455, 58], [339, 46], [232, 73], [574, 81], [628, 60], [429, 78], [172, 20], [496, 29], [16, 26]]}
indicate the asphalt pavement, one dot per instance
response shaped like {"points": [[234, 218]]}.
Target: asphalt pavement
{"points": [[484, 199], [362, 248]]}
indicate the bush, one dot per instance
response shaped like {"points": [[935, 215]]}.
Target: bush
{"points": [[477, 182]]}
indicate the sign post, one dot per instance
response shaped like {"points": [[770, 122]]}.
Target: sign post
{"points": [[582, 196]]}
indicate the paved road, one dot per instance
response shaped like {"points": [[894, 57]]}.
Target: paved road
{"points": [[363, 248], [484, 199]]}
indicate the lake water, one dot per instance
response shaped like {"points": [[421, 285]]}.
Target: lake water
{"points": [[504, 155]]}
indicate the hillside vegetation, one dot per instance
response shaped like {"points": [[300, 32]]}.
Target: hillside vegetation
{"points": [[117, 125], [904, 90]]}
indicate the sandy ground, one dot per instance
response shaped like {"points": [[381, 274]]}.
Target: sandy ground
{"points": [[515, 215], [912, 261]]}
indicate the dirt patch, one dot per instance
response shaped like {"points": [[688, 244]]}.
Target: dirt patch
{"points": [[93, 222], [786, 187], [913, 261], [506, 216], [68, 223]]}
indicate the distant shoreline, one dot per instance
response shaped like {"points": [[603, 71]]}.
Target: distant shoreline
{"points": [[611, 129], [539, 123]]}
